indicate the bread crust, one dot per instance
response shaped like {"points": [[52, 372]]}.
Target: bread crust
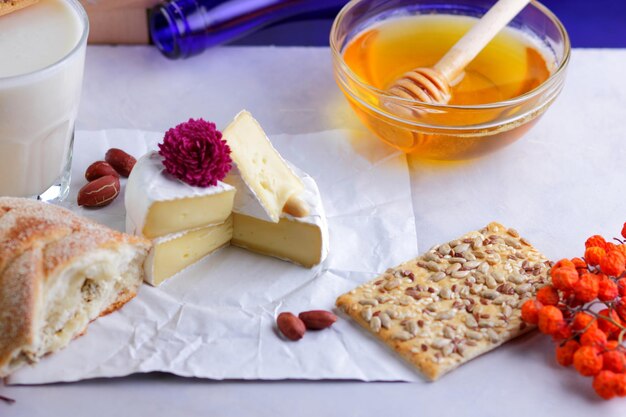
{"points": [[9, 6], [37, 242]]}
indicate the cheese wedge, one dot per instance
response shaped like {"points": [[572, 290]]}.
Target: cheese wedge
{"points": [[269, 179], [173, 253], [158, 204], [302, 240]]}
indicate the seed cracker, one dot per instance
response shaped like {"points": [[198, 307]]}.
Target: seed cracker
{"points": [[457, 301]]}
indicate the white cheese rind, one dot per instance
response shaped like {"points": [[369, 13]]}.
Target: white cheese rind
{"points": [[149, 183], [268, 177]]}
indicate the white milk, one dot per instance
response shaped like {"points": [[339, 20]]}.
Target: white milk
{"points": [[40, 82]]}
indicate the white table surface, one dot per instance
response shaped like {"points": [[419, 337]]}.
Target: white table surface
{"points": [[539, 185]]}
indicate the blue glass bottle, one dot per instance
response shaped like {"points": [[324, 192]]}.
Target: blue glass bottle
{"points": [[182, 28]]}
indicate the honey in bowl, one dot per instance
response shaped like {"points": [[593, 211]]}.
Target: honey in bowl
{"points": [[513, 64]]}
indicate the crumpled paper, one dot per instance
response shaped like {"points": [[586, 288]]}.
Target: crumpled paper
{"points": [[217, 319]]}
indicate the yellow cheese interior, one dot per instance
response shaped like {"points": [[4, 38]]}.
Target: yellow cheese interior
{"points": [[176, 254], [288, 239], [260, 165], [165, 217]]}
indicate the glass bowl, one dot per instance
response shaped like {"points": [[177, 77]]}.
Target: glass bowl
{"points": [[447, 132]]}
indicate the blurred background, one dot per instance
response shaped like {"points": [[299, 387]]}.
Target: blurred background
{"points": [[590, 23]]}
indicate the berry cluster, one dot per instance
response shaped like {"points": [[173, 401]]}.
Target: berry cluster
{"points": [[584, 310]]}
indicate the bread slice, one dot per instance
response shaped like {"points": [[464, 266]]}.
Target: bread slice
{"points": [[457, 301], [9, 6], [58, 272]]}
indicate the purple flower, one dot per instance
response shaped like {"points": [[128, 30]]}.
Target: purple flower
{"points": [[195, 153]]}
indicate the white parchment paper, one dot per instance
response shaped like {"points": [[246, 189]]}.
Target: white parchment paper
{"points": [[216, 319]]}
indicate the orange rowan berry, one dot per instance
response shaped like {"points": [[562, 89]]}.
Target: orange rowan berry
{"points": [[607, 288], [564, 278], [588, 361], [563, 332], [550, 319], [620, 385], [613, 263], [595, 240], [621, 248], [583, 321], [621, 287], [610, 247], [579, 264], [564, 263], [614, 361], [605, 325], [565, 352], [530, 311], [624, 231], [605, 384], [594, 254], [548, 296], [586, 289], [593, 337], [620, 307]]}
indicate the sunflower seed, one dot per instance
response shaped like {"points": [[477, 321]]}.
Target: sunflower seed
{"points": [[512, 242], [486, 324], [368, 302], [447, 350], [489, 294], [437, 276], [473, 335], [524, 241], [516, 279], [433, 266], [471, 264], [366, 313], [491, 282], [440, 343], [524, 288], [498, 276], [375, 324], [445, 315], [453, 268], [394, 283], [432, 307], [470, 321], [463, 247], [445, 293], [385, 320], [411, 327], [460, 274], [493, 336], [507, 311], [429, 256], [483, 267], [448, 333], [469, 256], [513, 232], [392, 313], [444, 249], [403, 335], [457, 260]]}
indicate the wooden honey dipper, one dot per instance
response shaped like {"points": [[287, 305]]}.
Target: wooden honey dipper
{"points": [[432, 85]]}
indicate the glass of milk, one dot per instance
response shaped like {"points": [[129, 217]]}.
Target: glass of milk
{"points": [[42, 56]]}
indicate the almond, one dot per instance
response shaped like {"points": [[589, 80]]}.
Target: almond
{"points": [[292, 327], [100, 192], [122, 162], [317, 319], [99, 169]]}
